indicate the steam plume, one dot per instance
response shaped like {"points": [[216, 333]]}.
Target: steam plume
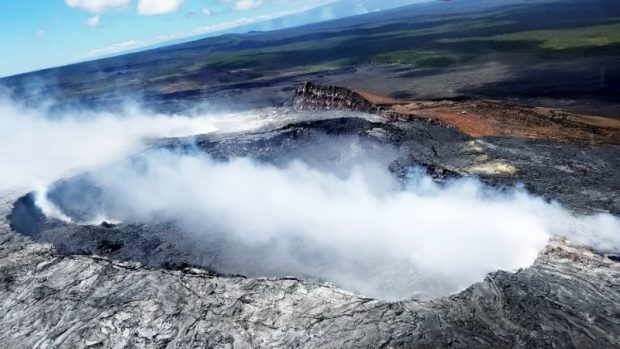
{"points": [[356, 227]]}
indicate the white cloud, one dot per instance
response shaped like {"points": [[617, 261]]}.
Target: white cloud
{"points": [[94, 20], [219, 27], [121, 46], [206, 12], [232, 24], [96, 5], [158, 7], [360, 9], [327, 14], [145, 7], [242, 5]]}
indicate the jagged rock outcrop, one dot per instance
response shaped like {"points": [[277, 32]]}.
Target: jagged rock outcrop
{"points": [[476, 118], [309, 96]]}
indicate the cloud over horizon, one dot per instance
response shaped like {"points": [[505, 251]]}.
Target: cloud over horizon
{"points": [[145, 7], [96, 5], [158, 7]]}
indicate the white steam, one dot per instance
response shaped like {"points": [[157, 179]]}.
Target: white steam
{"points": [[36, 149], [360, 230]]}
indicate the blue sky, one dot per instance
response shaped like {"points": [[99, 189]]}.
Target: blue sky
{"points": [[38, 34]]}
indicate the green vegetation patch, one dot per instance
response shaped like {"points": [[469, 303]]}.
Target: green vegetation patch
{"points": [[560, 39], [417, 58]]}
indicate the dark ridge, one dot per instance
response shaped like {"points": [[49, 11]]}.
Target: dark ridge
{"points": [[310, 96]]}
